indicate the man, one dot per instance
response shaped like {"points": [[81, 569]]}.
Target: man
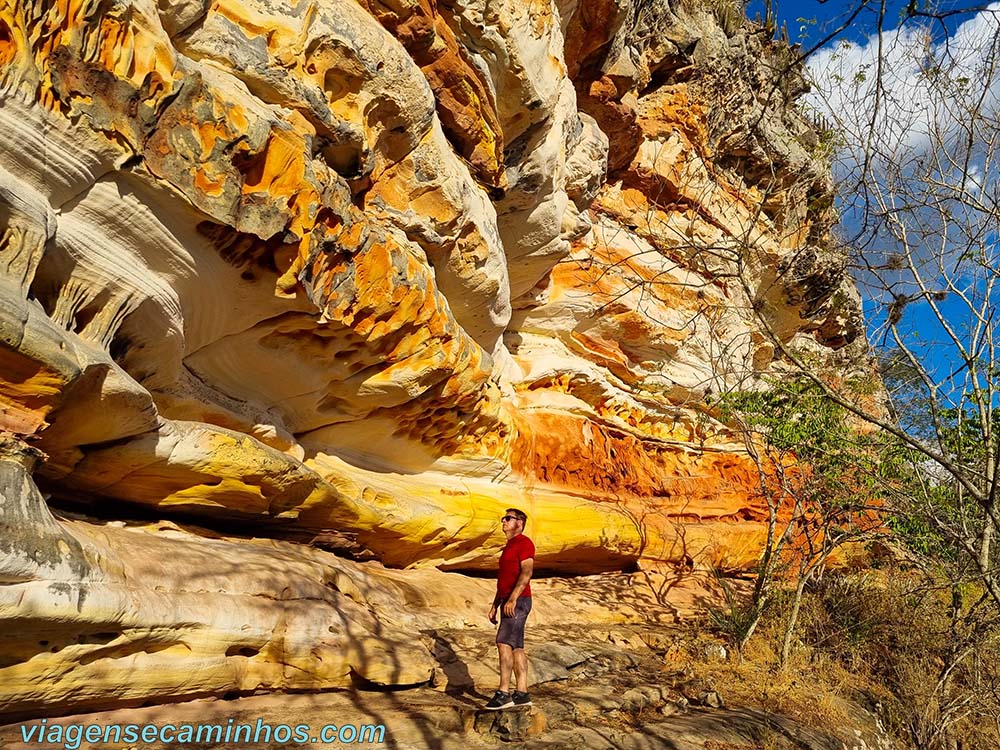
{"points": [[513, 600]]}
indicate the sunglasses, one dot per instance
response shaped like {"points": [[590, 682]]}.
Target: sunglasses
{"points": [[509, 518]]}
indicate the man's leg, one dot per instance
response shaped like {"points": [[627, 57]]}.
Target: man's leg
{"points": [[520, 669], [510, 647], [507, 664]]}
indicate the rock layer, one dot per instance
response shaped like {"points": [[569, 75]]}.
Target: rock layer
{"points": [[366, 274]]}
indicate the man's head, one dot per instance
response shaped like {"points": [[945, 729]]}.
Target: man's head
{"points": [[513, 521]]}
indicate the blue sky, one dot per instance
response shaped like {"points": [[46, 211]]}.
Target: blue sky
{"points": [[819, 19], [810, 21], [909, 105]]}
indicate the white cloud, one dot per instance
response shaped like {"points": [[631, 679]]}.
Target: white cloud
{"points": [[909, 91], [919, 116]]}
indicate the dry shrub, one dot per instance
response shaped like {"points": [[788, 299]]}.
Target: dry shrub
{"points": [[887, 641], [926, 653], [730, 14]]}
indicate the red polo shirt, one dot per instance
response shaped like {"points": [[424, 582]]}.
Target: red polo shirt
{"points": [[517, 549]]}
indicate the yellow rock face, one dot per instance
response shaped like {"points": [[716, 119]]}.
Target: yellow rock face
{"points": [[310, 249], [366, 274]]}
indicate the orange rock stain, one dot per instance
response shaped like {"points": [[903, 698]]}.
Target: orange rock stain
{"points": [[9, 43], [28, 393], [464, 104], [133, 51], [279, 172], [206, 184], [671, 109], [606, 464]]}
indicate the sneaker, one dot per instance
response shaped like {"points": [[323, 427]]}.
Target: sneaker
{"points": [[521, 699], [499, 700]]}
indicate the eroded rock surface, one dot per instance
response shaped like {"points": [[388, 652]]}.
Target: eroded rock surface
{"points": [[365, 274], [612, 695]]}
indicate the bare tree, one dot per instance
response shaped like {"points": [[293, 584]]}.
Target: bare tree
{"points": [[921, 207], [915, 114]]}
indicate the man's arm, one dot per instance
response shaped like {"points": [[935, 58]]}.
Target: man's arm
{"points": [[527, 566], [497, 601]]}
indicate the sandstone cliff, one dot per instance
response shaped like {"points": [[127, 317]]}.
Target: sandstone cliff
{"points": [[360, 275]]}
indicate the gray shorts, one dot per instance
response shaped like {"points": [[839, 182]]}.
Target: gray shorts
{"points": [[511, 629]]}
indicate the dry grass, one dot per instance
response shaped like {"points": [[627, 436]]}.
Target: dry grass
{"points": [[812, 689], [876, 641]]}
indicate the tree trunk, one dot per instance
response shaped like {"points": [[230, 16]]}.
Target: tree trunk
{"points": [[793, 619]]}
